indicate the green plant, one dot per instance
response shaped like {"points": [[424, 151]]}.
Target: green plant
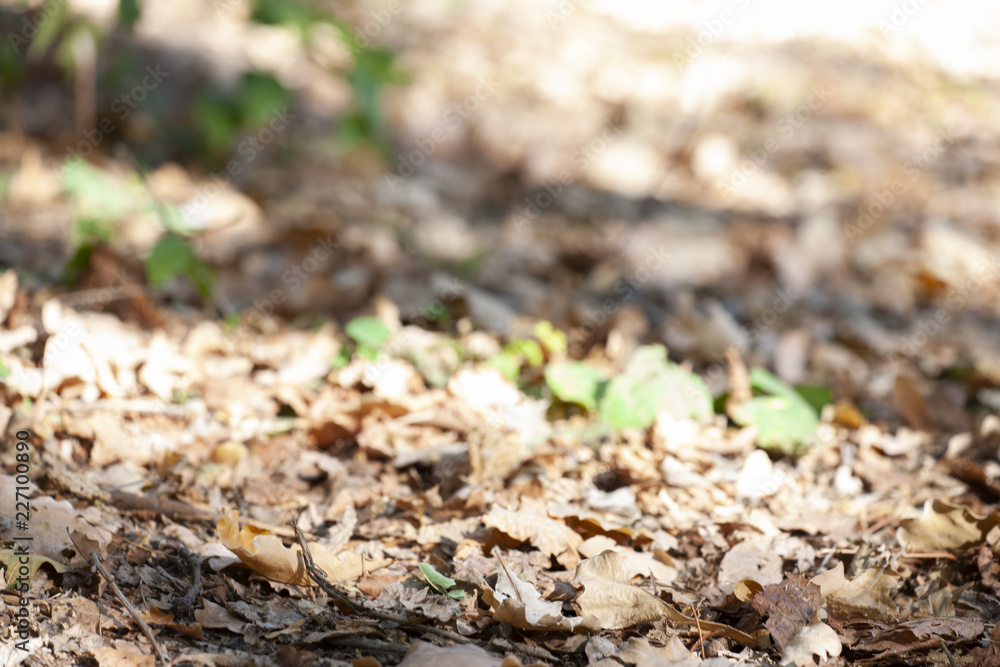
{"points": [[440, 583], [648, 385], [372, 70], [524, 352], [369, 333], [102, 201], [785, 418], [223, 116]]}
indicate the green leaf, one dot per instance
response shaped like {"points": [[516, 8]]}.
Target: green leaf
{"points": [[784, 418], [509, 367], [368, 332], [128, 13], [551, 338], [440, 583], [340, 360], [99, 198], [575, 382], [173, 255], [816, 396], [260, 96], [651, 384], [4, 371]]}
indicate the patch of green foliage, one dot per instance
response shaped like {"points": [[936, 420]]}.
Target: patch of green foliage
{"points": [[440, 583], [785, 417], [369, 333], [648, 385]]}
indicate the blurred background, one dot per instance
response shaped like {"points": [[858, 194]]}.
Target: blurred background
{"points": [[815, 186]]}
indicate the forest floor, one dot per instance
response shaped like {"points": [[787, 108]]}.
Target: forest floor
{"points": [[527, 390]]}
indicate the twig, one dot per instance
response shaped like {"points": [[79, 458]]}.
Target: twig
{"points": [[319, 577], [192, 596], [366, 644], [128, 606]]}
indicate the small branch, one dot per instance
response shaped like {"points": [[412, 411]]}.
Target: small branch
{"points": [[319, 577], [192, 596], [131, 610]]}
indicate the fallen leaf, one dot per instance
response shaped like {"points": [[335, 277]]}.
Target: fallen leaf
{"points": [[518, 603], [944, 526], [816, 639], [789, 606], [266, 555], [615, 604], [551, 537], [422, 654]]}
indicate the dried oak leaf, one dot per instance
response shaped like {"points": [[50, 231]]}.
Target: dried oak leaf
{"points": [[266, 555], [868, 595], [789, 606], [944, 526], [551, 537], [616, 604], [518, 603]]}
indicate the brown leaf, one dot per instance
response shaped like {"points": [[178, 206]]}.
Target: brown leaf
{"points": [[944, 526], [551, 537], [910, 404], [615, 604], [789, 606], [518, 603], [266, 555]]}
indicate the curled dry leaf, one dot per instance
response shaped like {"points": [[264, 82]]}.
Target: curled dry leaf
{"points": [[814, 639], [266, 555], [868, 595], [518, 603]]}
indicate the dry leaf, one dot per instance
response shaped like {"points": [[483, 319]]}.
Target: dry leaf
{"points": [[551, 537], [215, 617], [944, 526], [422, 654], [266, 555], [815, 639], [868, 595], [518, 603], [789, 607], [616, 604]]}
